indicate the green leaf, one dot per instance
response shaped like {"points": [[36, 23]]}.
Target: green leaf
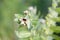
{"points": [[58, 10], [56, 19], [55, 29], [23, 34]]}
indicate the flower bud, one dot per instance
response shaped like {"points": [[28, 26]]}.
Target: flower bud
{"points": [[26, 12], [42, 21], [30, 8]]}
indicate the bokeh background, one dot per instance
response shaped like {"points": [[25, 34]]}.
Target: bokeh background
{"points": [[7, 10]]}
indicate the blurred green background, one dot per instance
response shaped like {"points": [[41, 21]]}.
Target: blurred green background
{"points": [[7, 10]]}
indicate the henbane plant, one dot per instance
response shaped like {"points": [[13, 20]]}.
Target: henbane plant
{"points": [[33, 28]]}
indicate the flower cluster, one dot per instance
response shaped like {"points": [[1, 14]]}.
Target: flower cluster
{"points": [[52, 14], [36, 28]]}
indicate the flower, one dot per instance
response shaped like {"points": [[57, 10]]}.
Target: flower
{"points": [[30, 8], [42, 21], [23, 21], [52, 13], [26, 12]]}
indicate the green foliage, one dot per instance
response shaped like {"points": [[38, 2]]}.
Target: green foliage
{"points": [[7, 26], [41, 30]]}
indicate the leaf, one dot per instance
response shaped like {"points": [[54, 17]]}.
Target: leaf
{"points": [[55, 28], [23, 34], [58, 10], [57, 19], [56, 37]]}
